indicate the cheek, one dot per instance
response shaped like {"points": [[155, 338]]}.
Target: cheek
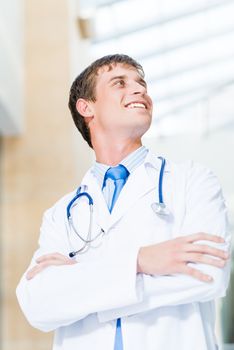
{"points": [[106, 116], [108, 108]]}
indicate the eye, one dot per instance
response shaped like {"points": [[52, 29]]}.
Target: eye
{"points": [[120, 82], [143, 83]]}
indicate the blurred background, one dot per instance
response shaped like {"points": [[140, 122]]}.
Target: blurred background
{"points": [[187, 50]]}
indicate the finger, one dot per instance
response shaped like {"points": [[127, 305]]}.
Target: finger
{"points": [[204, 236], [196, 274], [52, 256], [44, 264], [38, 268], [34, 271], [205, 249], [57, 261], [47, 257], [204, 259]]}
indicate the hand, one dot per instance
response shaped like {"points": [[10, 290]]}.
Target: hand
{"points": [[173, 256], [48, 260]]}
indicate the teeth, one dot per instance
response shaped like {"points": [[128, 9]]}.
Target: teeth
{"points": [[136, 105]]}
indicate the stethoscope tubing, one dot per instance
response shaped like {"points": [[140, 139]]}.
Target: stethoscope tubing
{"points": [[160, 182], [80, 194]]}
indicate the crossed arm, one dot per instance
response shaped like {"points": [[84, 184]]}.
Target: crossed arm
{"points": [[165, 258], [173, 272], [82, 288]]}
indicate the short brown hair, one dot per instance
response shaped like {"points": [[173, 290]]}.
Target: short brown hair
{"points": [[84, 87]]}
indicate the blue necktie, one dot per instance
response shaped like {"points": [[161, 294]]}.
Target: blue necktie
{"points": [[119, 175]]}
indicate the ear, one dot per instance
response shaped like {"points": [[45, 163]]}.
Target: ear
{"points": [[84, 108]]}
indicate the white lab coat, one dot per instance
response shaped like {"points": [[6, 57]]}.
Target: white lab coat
{"points": [[81, 302]]}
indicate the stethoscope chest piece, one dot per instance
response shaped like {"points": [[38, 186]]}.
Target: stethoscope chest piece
{"points": [[160, 209]]}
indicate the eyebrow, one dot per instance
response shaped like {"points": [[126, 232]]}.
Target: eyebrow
{"points": [[124, 77]]}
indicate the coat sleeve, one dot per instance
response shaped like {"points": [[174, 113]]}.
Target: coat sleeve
{"points": [[205, 211], [61, 295]]}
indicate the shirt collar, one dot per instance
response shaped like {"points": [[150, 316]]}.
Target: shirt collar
{"points": [[131, 162], [155, 162]]}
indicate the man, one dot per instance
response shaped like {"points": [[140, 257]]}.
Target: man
{"points": [[143, 280]]}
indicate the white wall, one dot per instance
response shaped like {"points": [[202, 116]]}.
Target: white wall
{"points": [[11, 66], [214, 150], [79, 60]]}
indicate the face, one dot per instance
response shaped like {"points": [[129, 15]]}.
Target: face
{"points": [[122, 105]]}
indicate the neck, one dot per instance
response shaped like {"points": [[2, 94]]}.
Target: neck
{"points": [[112, 153]]}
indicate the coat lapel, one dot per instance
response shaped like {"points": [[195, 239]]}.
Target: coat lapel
{"points": [[101, 212], [137, 185]]}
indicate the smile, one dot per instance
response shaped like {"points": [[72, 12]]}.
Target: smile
{"points": [[136, 105]]}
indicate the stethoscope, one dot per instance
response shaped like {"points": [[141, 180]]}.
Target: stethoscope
{"points": [[158, 207]]}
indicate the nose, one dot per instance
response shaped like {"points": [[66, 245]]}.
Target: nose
{"points": [[137, 88]]}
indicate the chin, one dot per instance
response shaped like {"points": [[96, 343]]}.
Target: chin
{"points": [[140, 130], [145, 125]]}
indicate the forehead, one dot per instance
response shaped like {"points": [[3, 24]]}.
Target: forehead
{"points": [[116, 69]]}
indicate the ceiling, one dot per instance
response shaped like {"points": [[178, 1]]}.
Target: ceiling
{"points": [[187, 50]]}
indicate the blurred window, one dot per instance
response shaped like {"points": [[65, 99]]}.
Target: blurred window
{"points": [[187, 50]]}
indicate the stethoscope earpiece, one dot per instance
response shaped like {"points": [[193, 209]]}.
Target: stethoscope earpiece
{"points": [[72, 254]]}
